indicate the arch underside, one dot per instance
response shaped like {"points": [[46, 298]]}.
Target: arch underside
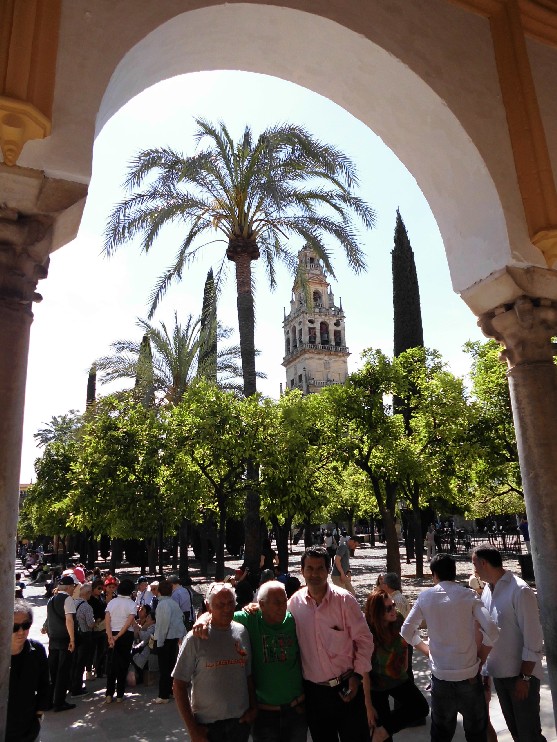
{"points": [[368, 82]]}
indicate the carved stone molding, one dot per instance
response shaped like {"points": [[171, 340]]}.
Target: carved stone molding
{"points": [[525, 329], [24, 250]]}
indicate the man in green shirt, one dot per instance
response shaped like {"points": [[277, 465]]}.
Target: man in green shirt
{"points": [[276, 668]]}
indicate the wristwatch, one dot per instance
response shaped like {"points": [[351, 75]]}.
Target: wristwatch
{"points": [[527, 678]]}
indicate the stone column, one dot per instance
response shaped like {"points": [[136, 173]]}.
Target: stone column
{"points": [[526, 329], [24, 244]]}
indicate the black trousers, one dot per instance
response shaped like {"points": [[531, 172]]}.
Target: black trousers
{"points": [[410, 705], [118, 662], [167, 654], [330, 719], [83, 654], [60, 668]]}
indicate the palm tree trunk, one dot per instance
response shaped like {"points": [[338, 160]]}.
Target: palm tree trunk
{"points": [[242, 252]]}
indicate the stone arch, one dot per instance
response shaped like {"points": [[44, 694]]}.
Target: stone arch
{"points": [[480, 234]]}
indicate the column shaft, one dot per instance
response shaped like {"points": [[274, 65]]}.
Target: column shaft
{"points": [[533, 388], [15, 324]]}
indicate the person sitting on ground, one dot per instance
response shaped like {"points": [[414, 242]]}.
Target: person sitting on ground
{"points": [[143, 630], [389, 676], [29, 690], [19, 586]]}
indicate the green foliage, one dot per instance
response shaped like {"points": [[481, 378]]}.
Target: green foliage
{"points": [[495, 474], [116, 475]]}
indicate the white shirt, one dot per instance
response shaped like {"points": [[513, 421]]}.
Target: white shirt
{"points": [[120, 609], [514, 607], [143, 597], [450, 611]]}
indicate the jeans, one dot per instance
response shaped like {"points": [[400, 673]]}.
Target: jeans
{"points": [[60, 668], [287, 725], [522, 717], [410, 705], [167, 654], [451, 697], [118, 662], [331, 719], [228, 730]]}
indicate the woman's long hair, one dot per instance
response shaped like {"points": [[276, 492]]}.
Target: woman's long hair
{"points": [[374, 612]]}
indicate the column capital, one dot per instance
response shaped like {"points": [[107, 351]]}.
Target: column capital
{"points": [[525, 329], [24, 249]]}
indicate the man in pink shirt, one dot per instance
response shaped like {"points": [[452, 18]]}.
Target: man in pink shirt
{"points": [[335, 647]]}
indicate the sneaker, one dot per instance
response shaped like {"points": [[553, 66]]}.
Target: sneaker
{"points": [[89, 676], [161, 700], [107, 699], [119, 699]]}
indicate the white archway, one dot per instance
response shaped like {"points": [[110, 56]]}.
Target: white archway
{"points": [[370, 83]]}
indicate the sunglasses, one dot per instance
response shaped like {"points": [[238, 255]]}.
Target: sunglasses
{"points": [[26, 625], [389, 608]]}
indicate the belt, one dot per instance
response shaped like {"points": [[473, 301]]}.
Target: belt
{"points": [[296, 702], [333, 682]]}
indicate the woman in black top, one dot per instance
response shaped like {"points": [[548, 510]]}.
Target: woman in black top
{"points": [[29, 690], [97, 603]]}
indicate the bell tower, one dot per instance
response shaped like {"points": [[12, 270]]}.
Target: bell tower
{"points": [[315, 352]]}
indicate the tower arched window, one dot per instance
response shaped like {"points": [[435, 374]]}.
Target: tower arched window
{"points": [[338, 338], [317, 299], [294, 341], [312, 335], [288, 341], [324, 333]]}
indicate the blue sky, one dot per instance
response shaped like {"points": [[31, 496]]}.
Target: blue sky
{"points": [[90, 301]]}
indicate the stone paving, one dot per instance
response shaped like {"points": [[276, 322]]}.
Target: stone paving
{"points": [[139, 719]]}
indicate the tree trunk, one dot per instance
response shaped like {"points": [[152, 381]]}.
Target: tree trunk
{"points": [[221, 536], [418, 535], [152, 555], [242, 252], [372, 531], [115, 553], [391, 538], [175, 553], [161, 549], [308, 539], [282, 534], [184, 538]]}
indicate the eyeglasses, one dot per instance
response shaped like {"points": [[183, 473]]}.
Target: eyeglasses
{"points": [[390, 607], [26, 625]]}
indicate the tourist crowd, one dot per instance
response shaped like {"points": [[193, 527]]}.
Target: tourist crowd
{"points": [[292, 660]]}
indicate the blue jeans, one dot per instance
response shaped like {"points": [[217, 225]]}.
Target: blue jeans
{"points": [[228, 730], [448, 698], [287, 725], [522, 717]]}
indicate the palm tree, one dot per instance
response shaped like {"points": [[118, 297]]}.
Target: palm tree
{"points": [[254, 194], [172, 359]]}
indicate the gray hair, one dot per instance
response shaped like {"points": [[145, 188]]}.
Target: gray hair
{"points": [[22, 606], [86, 589], [266, 587], [218, 587]]}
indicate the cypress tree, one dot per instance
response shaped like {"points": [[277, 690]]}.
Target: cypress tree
{"points": [[207, 360], [144, 379], [408, 333], [91, 386], [408, 330]]}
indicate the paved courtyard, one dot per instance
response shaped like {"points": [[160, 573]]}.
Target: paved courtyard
{"points": [[139, 719]]}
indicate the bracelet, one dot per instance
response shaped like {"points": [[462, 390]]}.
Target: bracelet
{"points": [[524, 677]]}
